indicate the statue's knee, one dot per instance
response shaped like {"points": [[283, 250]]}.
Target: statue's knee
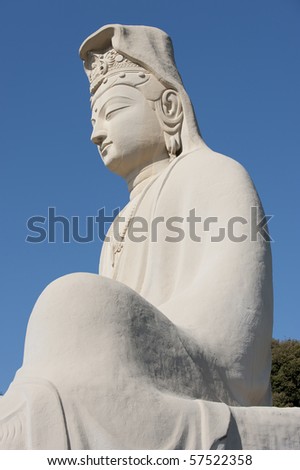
{"points": [[85, 297], [76, 287], [75, 312]]}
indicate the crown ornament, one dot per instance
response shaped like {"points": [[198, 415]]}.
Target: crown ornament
{"points": [[99, 67]]}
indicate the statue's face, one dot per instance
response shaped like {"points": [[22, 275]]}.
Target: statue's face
{"points": [[126, 130]]}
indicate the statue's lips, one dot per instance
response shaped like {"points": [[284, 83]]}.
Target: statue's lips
{"points": [[104, 147]]}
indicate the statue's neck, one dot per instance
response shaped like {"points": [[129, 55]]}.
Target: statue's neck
{"points": [[139, 179]]}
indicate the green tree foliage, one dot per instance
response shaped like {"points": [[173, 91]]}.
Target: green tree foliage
{"points": [[285, 376]]}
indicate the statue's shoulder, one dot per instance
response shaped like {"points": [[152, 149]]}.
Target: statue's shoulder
{"points": [[205, 163], [212, 178], [212, 170]]}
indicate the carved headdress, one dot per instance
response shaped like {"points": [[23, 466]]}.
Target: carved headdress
{"points": [[116, 54], [102, 69]]}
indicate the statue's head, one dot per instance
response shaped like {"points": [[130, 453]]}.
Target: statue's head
{"points": [[140, 111]]}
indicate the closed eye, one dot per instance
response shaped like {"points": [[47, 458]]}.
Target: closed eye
{"points": [[114, 110]]}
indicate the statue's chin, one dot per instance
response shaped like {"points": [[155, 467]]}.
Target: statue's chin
{"points": [[112, 162]]}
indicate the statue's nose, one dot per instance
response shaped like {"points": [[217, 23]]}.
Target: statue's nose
{"points": [[98, 136]]}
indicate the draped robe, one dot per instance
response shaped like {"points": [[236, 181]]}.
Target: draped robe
{"points": [[217, 293]]}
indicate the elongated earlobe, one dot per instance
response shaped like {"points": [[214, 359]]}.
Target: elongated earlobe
{"points": [[170, 114]]}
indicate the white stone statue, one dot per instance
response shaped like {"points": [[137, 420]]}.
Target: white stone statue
{"points": [[170, 346]]}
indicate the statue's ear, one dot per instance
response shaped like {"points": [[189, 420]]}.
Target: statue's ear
{"points": [[171, 115], [171, 104]]}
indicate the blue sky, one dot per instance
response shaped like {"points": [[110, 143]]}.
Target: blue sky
{"points": [[240, 63]]}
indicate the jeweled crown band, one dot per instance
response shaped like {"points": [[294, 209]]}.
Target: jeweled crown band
{"points": [[100, 66]]}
